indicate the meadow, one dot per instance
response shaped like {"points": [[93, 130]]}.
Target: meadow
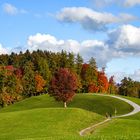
{"points": [[41, 117]]}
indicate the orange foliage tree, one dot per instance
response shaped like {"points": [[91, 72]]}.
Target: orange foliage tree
{"points": [[39, 83], [102, 82]]}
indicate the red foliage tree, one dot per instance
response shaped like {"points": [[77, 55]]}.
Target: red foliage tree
{"points": [[102, 82], [85, 67], [92, 87], [63, 85]]}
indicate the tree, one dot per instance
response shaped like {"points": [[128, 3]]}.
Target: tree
{"points": [[39, 83], [88, 76], [128, 87], [79, 62], [102, 81], [112, 89], [92, 63], [70, 62], [29, 79], [92, 87], [43, 69], [63, 85], [63, 59]]}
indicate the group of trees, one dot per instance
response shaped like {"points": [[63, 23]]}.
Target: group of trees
{"points": [[129, 87], [29, 74]]}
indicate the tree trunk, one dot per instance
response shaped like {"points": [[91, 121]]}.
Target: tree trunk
{"points": [[65, 104]]}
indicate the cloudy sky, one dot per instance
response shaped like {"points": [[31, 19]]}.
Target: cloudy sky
{"points": [[108, 30]]}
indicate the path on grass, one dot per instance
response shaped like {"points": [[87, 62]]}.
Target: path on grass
{"points": [[135, 110]]}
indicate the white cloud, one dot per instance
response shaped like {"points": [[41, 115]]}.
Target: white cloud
{"points": [[130, 3], [122, 42], [96, 49], [12, 10], [50, 43], [125, 39], [87, 48], [3, 50], [91, 19]]}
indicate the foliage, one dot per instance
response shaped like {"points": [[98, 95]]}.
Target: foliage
{"points": [[28, 80], [102, 82], [63, 85], [112, 89], [92, 87], [128, 87], [29, 74], [39, 83]]}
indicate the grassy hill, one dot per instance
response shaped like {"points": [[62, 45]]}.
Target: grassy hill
{"points": [[121, 128], [43, 118]]}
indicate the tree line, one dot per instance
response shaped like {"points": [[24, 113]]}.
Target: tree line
{"points": [[30, 74]]}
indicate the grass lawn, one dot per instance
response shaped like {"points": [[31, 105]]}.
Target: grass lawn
{"points": [[121, 128], [90, 102], [43, 118]]}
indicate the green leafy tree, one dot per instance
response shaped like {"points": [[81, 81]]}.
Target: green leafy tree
{"points": [[29, 79], [79, 62], [43, 69]]}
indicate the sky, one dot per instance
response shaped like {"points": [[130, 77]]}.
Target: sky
{"points": [[107, 30]]}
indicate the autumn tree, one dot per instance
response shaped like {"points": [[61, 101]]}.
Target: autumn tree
{"points": [[102, 81], [39, 83], [112, 89], [93, 88], [88, 76], [63, 85]]}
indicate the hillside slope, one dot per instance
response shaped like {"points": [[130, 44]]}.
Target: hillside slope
{"points": [[42, 117], [121, 128]]}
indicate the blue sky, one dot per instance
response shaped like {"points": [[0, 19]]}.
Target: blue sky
{"points": [[108, 30]]}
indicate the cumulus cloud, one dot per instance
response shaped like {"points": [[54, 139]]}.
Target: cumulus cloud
{"points": [[125, 39], [91, 19], [87, 48], [122, 42], [50, 43], [12, 10], [130, 3], [3, 50], [96, 49]]}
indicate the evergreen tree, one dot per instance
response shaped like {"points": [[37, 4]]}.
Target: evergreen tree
{"points": [[29, 79], [92, 63], [79, 62], [63, 60], [70, 62]]}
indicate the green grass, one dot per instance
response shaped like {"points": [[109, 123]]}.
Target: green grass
{"points": [[90, 102], [43, 118], [121, 128], [45, 123]]}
